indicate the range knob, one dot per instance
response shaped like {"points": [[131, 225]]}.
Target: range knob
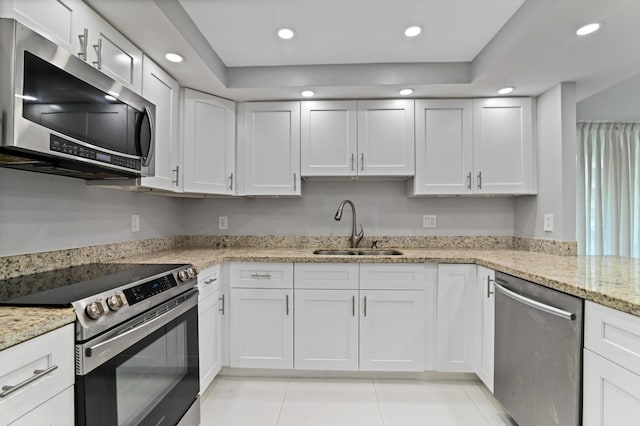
{"points": [[115, 302], [183, 275], [95, 310], [192, 272]]}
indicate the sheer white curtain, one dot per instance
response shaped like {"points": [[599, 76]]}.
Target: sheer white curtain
{"points": [[608, 204]]}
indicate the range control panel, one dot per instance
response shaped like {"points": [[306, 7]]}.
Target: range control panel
{"points": [[149, 289]]}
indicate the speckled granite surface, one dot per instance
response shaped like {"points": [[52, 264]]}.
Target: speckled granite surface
{"points": [[18, 325]]}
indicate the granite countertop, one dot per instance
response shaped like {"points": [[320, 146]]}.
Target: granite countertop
{"points": [[610, 281]]}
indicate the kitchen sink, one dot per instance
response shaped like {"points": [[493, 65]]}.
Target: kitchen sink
{"points": [[358, 252]]}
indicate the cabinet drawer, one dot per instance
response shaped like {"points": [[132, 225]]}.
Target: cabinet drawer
{"points": [[326, 276], [261, 275], [58, 411], [20, 362], [392, 277], [613, 334], [209, 281]]}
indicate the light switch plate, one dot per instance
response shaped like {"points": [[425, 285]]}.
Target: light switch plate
{"points": [[135, 223], [223, 222], [428, 221], [548, 223]]}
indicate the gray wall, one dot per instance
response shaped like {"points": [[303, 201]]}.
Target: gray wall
{"points": [[556, 136], [40, 213], [382, 207]]}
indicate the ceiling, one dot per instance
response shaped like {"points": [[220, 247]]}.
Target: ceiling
{"points": [[357, 49]]}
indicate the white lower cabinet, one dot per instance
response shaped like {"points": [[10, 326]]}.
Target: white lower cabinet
{"points": [[326, 329], [485, 332], [392, 330], [261, 328], [611, 369], [47, 360], [456, 318], [209, 325]]}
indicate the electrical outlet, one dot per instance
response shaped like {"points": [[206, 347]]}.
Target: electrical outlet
{"points": [[428, 221], [223, 223], [548, 223], [135, 223]]}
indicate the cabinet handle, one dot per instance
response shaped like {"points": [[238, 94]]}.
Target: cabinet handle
{"points": [[231, 182], [98, 49], [489, 281], [177, 170], [353, 306], [84, 40], [212, 280], [287, 300], [365, 306], [9, 389], [261, 276], [362, 161], [295, 181], [353, 158], [469, 181], [222, 307], [479, 180]]}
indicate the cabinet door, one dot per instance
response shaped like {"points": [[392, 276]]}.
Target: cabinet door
{"points": [[444, 147], [456, 318], [209, 144], [328, 139], [57, 411], [385, 138], [261, 328], [392, 330], [57, 20], [504, 150], [161, 89], [271, 148], [486, 303], [611, 394], [209, 339], [326, 331], [112, 53]]}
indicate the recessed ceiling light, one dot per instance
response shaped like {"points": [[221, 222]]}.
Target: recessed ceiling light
{"points": [[405, 92], [285, 33], [412, 31], [506, 90], [173, 57], [588, 29], [307, 93]]}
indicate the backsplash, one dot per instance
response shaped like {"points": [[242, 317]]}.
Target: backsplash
{"points": [[12, 266]]}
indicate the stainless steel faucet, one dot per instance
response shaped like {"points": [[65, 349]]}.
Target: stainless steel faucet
{"points": [[355, 237]]}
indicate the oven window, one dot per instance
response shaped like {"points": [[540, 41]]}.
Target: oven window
{"points": [[59, 101], [144, 380]]}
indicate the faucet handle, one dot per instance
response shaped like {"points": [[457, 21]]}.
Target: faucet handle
{"points": [[359, 236]]}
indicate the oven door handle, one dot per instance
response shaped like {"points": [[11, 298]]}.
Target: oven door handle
{"points": [[113, 346], [534, 303]]}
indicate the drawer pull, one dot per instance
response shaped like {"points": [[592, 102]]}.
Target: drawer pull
{"points": [[221, 309], [8, 390], [212, 280], [261, 276]]}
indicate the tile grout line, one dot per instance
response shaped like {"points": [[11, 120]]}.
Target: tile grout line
{"points": [[375, 391], [284, 398]]}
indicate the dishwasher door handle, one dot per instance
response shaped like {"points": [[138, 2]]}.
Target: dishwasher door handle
{"points": [[534, 303]]}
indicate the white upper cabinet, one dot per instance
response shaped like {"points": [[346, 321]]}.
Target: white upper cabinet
{"points": [[161, 89], [465, 147], [329, 138], [444, 147], [503, 146], [357, 138], [77, 28], [208, 144], [269, 148], [386, 138]]}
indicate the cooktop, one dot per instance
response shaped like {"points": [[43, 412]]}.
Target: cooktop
{"points": [[61, 287]]}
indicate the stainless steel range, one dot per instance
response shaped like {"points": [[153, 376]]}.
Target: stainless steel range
{"points": [[136, 338]]}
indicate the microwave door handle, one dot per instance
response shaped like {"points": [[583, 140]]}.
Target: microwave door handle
{"points": [[146, 159]]}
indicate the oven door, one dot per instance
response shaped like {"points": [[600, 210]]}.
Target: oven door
{"points": [[151, 376]]}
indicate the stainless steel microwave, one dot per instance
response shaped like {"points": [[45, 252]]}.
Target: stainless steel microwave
{"points": [[60, 115]]}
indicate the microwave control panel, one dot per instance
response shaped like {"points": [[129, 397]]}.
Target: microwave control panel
{"points": [[58, 144]]}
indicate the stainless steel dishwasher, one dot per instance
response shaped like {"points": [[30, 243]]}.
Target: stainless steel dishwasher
{"points": [[538, 353]]}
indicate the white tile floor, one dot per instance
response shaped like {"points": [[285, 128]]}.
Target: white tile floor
{"points": [[233, 401]]}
